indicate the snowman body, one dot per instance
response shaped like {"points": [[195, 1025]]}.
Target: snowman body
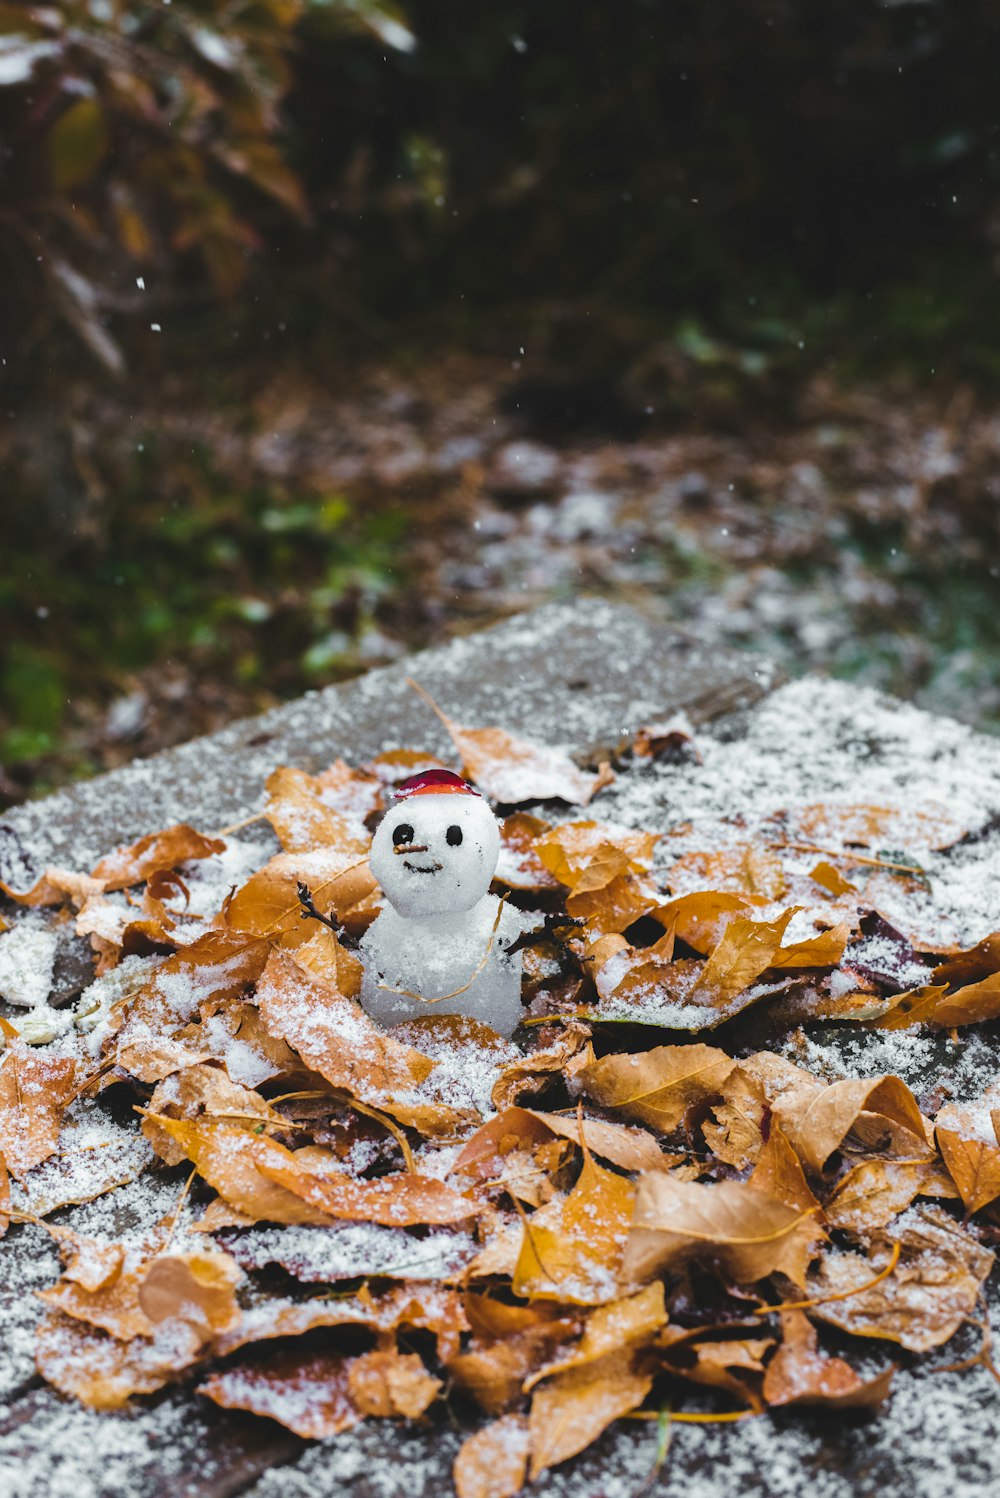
{"points": [[442, 943]]}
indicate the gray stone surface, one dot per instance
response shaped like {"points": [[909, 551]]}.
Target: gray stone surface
{"points": [[583, 675]]}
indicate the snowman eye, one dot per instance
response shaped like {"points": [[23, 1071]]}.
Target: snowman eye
{"points": [[453, 836], [402, 834]]}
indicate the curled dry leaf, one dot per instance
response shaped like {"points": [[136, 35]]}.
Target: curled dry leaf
{"points": [[55, 887], [824, 950], [701, 917], [972, 965], [917, 1006], [734, 1365], [572, 1248], [631, 1321], [657, 1087], [231, 1159], [970, 1005], [630, 1149], [799, 1373], [387, 1382], [747, 949], [930, 1292], [817, 1119], [493, 1462], [418, 1305], [728, 1224], [159, 850], [196, 1091]]}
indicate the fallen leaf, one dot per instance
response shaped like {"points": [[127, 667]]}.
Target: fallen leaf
{"points": [[744, 869], [198, 1289], [298, 810], [230, 1158], [630, 1321], [873, 1192], [493, 1462], [733, 1129], [700, 918], [970, 1005], [799, 1373], [571, 1410], [927, 826], [734, 1365], [268, 904], [572, 1248], [520, 866], [586, 856], [158, 850], [972, 965], [510, 770], [204, 1089], [386, 1382], [658, 1086], [509, 1345], [968, 1144], [104, 1372], [729, 1224], [917, 1006], [309, 1393], [832, 880], [824, 950], [55, 887], [747, 949], [400, 1200], [630, 1149], [35, 1090], [934, 1287], [817, 1119]]}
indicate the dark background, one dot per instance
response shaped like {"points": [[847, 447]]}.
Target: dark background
{"points": [[331, 328]]}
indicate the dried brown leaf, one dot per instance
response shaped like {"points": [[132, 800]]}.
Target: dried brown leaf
{"points": [[386, 1382], [35, 1090], [308, 1393], [493, 1462], [799, 1373], [300, 811], [658, 1086], [572, 1248], [729, 1224], [158, 850], [817, 1119], [968, 1144], [934, 1287], [571, 1410]]}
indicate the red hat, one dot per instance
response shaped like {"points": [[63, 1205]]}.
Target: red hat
{"points": [[434, 783]]}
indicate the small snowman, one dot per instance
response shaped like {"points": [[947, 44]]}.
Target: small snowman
{"points": [[443, 944]]}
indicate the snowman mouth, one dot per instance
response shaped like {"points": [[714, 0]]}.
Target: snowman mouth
{"points": [[419, 868]]}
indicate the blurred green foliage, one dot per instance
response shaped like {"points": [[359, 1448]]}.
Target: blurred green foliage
{"points": [[255, 588]]}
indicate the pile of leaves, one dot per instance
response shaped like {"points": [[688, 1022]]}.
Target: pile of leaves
{"points": [[584, 1226]]}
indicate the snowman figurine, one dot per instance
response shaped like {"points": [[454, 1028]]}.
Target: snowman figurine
{"points": [[442, 944]]}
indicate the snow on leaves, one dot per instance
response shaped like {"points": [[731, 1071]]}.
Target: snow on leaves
{"points": [[551, 1235]]}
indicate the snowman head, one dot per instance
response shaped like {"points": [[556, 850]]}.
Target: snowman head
{"points": [[437, 846]]}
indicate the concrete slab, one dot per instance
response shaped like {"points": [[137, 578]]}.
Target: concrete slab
{"points": [[582, 675]]}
